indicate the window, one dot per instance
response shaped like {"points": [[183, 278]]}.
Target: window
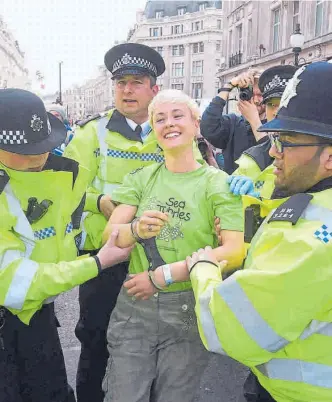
{"points": [[218, 45], [319, 18], [156, 32], [230, 43], [202, 6], [160, 50], [250, 38], [197, 90], [276, 30], [177, 50], [182, 10], [177, 86], [177, 69], [195, 26], [197, 67], [218, 24], [296, 9], [239, 37], [176, 29], [217, 62], [160, 14], [198, 47]]}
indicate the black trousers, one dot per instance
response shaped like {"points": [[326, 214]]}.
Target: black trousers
{"points": [[31, 361], [97, 299], [254, 392]]}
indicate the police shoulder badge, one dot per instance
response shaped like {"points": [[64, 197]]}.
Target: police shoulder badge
{"points": [[290, 90]]}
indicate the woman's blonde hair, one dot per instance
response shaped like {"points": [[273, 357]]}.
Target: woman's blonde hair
{"points": [[173, 96]]}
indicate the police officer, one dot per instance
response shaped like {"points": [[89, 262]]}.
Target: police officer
{"points": [[41, 203], [110, 146], [275, 315]]}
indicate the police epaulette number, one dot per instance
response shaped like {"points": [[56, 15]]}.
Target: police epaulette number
{"points": [[292, 209]]}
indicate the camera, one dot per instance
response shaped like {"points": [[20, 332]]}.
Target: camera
{"points": [[246, 93]]}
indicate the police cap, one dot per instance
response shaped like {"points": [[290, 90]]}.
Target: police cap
{"points": [[134, 59], [306, 103], [273, 81]]}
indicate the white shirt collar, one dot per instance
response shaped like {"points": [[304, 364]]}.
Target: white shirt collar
{"points": [[146, 128]]}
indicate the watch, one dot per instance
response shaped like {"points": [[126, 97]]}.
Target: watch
{"points": [[167, 274]]}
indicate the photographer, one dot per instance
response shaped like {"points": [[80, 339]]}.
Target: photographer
{"points": [[232, 133]]}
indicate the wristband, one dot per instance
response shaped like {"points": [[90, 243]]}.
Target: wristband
{"points": [[98, 201], [150, 273], [224, 89], [134, 232], [167, 274], [96, 258], [197, 262]]}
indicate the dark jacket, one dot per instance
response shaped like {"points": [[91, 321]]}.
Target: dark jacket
{"points": [[231, 133]]}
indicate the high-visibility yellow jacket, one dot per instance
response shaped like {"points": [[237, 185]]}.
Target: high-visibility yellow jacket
{"points": [[108, 147], [275, 315], [255, 163], [39, 260]]}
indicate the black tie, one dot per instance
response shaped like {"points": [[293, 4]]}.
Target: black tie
{"points": [[138, 130]]}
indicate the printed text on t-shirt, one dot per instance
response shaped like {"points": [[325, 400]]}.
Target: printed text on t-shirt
{"points": [[175, 208]]}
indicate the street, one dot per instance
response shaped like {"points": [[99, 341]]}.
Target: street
{"points": [[221, 382]]}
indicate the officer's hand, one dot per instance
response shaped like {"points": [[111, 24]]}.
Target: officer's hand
{"points": [[110, 254], [217, 229], [106, 206], [242, 185], [140, 286], [204, 255], [150, 224]]}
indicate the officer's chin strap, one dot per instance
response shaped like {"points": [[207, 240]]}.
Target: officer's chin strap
{"points": [[36, 210]]}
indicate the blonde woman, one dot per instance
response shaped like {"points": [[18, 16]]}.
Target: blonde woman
{"points": [[156, 354]]}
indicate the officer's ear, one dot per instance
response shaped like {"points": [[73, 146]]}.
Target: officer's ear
{"points": [[328, 158]]}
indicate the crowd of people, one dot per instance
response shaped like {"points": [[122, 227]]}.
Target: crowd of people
{"points": [[174, 257]]}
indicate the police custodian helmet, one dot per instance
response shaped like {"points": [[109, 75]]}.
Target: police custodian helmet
{"points": [[306, 104]]}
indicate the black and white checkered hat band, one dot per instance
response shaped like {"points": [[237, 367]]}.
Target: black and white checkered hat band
{"points": [[10, 137], [135, 62], [276, 82]]}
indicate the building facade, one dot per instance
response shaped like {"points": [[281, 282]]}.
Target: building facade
{"points": [[188, 34], [257, 34], [13, 72], [94, 96]]}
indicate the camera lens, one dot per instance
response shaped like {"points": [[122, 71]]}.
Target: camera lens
{"points": [[246, 94]]}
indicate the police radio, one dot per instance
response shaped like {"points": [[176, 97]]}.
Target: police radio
{"points": [[252, 222]]}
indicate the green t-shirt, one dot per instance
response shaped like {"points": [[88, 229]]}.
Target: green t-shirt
{"points": [[192, 200]]}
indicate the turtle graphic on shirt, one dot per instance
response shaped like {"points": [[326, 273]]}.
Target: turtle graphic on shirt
{"points": [[172, 229]]}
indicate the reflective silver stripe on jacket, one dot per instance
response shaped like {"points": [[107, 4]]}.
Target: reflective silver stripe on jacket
{"points": [[253, 323], [26, 269], [103, 186], [101, 132], [207, 323], [316, 374], [250, 319]]}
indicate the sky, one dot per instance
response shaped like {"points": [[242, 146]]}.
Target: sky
{"points": [[76, 32]]}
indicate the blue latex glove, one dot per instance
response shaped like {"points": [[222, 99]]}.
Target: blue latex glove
{"points": [[242, 185]]}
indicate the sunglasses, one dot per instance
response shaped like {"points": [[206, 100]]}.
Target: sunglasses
{"points": [[280, 145]]}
